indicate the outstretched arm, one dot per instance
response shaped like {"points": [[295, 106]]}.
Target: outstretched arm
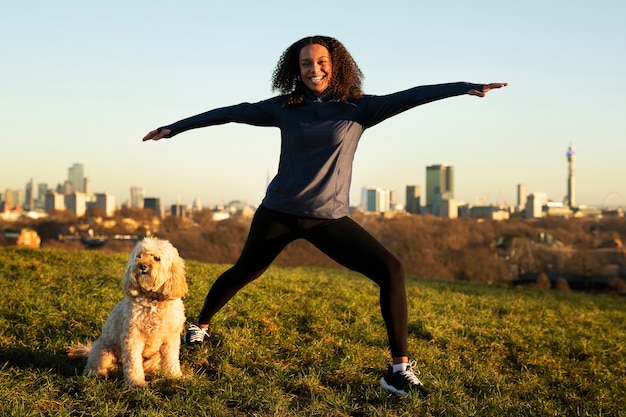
{"points": [[486, 88], [263, 113]]}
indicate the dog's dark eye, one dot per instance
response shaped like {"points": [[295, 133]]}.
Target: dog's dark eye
{"points": [[157, 258]]}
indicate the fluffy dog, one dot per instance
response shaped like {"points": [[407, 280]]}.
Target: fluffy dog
{"points": [[142, 332]]}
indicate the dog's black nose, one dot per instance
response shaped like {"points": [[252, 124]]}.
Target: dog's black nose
{"points": [[143, 267]]}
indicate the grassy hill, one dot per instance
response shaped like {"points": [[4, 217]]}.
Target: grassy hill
{"points": [[310, 342]]}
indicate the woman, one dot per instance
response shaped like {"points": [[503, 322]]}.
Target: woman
{"points": [[322, 113]]}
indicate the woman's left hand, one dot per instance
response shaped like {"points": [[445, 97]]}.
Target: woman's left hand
{"points": [[156, 134], [486, 88]]}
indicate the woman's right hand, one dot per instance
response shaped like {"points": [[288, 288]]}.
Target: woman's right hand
{"points": [[156, 134], [486, 88]]}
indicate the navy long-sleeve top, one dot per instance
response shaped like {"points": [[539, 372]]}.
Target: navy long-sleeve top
{"points": [[318, 142]]}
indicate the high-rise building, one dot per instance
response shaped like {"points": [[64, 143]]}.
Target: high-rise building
{"points": [[178, 210], [106, 202], [439, 180], [29, 202], [522, 197], [65, 188], [76, 203], [439, 185], [535, 204], [413, 199], [154, 204], [87, 187], [571, 186], [197, 205], [137, 194], [42, 189], [393, 198], [377, 200], [54, 201], [449, 208], [76, 177]]}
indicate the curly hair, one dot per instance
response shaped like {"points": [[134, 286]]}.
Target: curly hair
{"points": [[345, 81]]}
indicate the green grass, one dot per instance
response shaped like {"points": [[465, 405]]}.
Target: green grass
{"points": [[310, 342]]}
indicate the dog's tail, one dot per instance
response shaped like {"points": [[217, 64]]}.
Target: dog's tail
{"points": [[78, 351]]}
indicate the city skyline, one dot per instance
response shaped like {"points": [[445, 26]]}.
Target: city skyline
{"points": [[78, 89], [438, 184]]}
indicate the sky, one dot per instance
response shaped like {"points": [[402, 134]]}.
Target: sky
{"points": [[83, 82]]}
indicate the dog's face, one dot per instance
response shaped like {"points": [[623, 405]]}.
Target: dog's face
{"points": [[155, 269]]}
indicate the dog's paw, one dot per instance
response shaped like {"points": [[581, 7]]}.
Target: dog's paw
{"points": [[175, 374], [137, 383]]}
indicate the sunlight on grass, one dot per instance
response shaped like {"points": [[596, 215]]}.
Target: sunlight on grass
{"points": [[311, 342]]}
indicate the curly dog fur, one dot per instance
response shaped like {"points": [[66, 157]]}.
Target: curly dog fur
{"points": [[142, 332]]}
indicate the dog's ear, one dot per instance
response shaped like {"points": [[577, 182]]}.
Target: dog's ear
{"points": [[129, 285], [176, 286]]}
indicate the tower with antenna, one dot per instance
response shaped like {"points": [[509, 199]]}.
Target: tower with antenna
{"points": [[571, 188]]}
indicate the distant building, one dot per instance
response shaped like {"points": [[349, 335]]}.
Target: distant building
{"points": [[29, 200], [76, 178], [593, 212], [236, 207], [233, 208], [88, 192], [439, 185], [218, 216], [106, 202], [77, 203], [413, 199], [393, 198], [65, 188], [137, 195], [13, 199], [197, 205], [534, 205], [558, 210], [154, 204], [42, 189], [377, 200], [24, 237], [522, 197], [440, 207], [464, 209], [54, 201], [489, 212], [178, 210], [449, 208], [571, 184]]}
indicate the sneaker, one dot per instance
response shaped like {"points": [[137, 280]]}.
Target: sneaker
{"points": [[403, 382], [195, 335]]}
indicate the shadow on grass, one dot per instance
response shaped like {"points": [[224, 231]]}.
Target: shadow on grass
{"points": [[26, 358], [418, 330]]}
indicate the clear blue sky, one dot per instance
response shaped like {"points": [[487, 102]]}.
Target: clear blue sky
{"points": [[85, 81]]}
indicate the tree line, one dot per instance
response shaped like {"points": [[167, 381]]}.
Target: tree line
{"points": [[431, 247]]}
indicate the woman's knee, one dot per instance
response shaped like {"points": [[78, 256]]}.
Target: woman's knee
{"points": [[389, 273], [395, 269]]}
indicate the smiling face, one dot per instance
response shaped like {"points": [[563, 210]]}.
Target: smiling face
{"points": [[316, 67]]}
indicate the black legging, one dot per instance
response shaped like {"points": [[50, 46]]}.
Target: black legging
{"points": [[343, 240]]}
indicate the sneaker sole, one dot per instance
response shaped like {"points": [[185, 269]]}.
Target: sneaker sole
{"points": [[391, 388], [191, 344]]}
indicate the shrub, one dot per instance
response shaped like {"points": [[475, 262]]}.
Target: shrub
{"points": [[618, 286], [561, 284], [543, 282]]}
